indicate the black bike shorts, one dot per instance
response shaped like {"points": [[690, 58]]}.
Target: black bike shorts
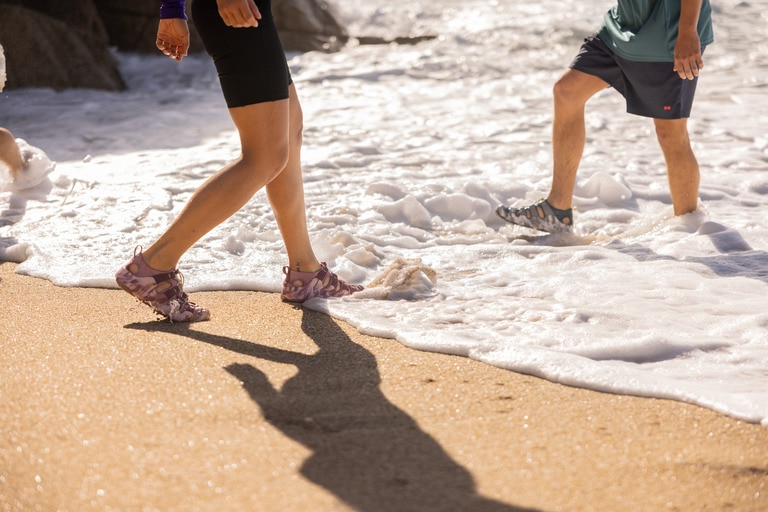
{"points": [[250, 61]]}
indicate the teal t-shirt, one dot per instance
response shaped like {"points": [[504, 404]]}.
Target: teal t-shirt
{"points": [[646, 30]]}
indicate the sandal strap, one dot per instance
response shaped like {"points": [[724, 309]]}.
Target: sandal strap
{"points": [[175, 278], [321, 283], [327, 277]]}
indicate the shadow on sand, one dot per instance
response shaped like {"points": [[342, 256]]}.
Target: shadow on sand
{"points": [[365, 450]]}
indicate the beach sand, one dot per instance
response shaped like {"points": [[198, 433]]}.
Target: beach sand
{"points": [[271, 407]]}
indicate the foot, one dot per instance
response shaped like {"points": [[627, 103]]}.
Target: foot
{"points": [[300, 286], [542, 216], [162, 291]]}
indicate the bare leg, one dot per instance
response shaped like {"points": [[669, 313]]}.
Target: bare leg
{"points": [[571, 93], [265, 136], [682, 167], [286, 196], [9, 152]]}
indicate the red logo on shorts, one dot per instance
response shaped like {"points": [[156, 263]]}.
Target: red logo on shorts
{"points": [[667, 107]]}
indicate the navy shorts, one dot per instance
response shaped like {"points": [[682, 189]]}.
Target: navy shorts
{"points": [[250, 61], [651, 89]]}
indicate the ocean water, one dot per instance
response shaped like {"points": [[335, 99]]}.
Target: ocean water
{"points": [[408, 150]]}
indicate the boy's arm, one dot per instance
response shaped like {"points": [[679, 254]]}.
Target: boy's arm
{"points": [[688, 61]]}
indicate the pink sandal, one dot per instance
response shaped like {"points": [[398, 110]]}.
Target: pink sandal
{"points": [[162, 291], [300, 286]]}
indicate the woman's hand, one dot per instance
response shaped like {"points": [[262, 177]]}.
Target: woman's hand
{"points": [[239, 13], [173, 38]]}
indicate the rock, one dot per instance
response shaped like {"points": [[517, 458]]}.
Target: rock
{"points": [[308, 25], [56, 43], [402, 40]]}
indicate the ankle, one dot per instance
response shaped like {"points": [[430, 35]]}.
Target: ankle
{"points": [[156, 263], [305, 267], [140, 266], [564, 215], [559, 206]]}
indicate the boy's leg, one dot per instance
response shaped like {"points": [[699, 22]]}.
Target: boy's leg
{"points": [[682, 166], [571, 93]]}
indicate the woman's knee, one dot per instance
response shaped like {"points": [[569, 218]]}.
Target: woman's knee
{"points": [[268, 162], [295, 120]]}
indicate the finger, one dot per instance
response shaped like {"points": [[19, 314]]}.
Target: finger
{"points": [[254, 10], [227, 18], [239, 20], [678, 68], [247, 18], [694, 66], [683, 69], [173, 51], [683, 72], [239, 15]]}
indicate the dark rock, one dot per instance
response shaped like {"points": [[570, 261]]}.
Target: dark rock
{"points": [[308, 25], [56, 43], [402, 40]]}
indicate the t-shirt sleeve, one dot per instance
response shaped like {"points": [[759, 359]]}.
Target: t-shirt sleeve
{"points": [[172, 9]]}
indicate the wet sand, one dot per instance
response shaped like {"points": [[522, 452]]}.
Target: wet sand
{"points": [[271, 407]]}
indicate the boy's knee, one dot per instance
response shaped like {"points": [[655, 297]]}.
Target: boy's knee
{"points": [[672, 134], [562, 91]]}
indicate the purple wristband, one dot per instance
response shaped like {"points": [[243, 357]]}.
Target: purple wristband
{"points": [[172, 9]]}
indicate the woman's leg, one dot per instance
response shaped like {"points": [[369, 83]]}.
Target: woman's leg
{"points": [[682, 166], [265, 142], [286, 195], [305, 276], [270, 135]]}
